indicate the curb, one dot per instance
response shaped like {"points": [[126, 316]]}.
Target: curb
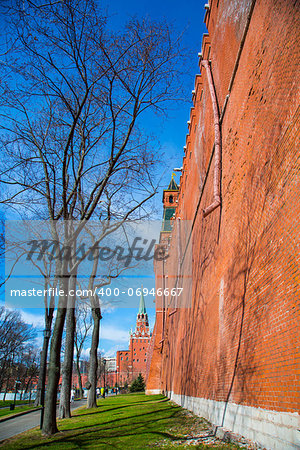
{"points": [[22, 413]]}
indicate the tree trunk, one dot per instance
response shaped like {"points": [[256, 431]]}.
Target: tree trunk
{"points": [[30, 389], [92, 396], [40, 395], [79, 376], [64, 409], [5, 392], [5, 373], [49, 423]]}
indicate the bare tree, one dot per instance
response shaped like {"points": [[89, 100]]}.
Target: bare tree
{"points": [[48, 282], [94, 282], [93, 361], [49, 307], [101, 370], [83, 326], [15, 335], [28, 369], [71, 110], [67, 368]]}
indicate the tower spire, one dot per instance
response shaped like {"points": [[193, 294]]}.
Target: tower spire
{"points": [[142, 308], [173, 186], [142, 324]]}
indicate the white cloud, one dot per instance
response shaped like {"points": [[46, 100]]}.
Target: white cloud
{"points": [[37, 320], [107, 308], [85, 354], [38, 341], [113, 350], [113, 333]]}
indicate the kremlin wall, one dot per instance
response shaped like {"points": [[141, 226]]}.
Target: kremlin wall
{"points": [[228, 347]]}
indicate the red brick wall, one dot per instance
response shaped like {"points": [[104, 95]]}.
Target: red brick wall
{"points": [[239, 341], [110, 379], [124, 367], [132, 362], [139, 349]]}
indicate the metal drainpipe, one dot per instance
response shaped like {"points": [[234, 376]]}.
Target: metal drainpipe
{"points": [[163, 316], [217, 119], [217, 167]]}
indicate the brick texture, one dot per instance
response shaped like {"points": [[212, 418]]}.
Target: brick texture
{"points": [[239, 340], [132, 362]]}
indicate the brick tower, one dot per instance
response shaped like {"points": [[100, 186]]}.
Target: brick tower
{"points": [[132, 362], [139, 341], [170, 201]]}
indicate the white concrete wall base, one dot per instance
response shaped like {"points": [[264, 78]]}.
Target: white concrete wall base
{"points": [[269, 429], [152, 391]]}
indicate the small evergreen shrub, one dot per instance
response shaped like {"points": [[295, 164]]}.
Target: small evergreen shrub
{"points": [[138, 385]]}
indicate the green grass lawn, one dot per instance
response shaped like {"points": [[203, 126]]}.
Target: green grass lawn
{"points": [[18, 409], [131, 421], [8, 402]]}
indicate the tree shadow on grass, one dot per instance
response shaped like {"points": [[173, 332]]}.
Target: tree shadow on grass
{"points": [[100, 410], [118, 420], [82, 437]]}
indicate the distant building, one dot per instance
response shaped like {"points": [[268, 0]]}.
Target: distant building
{"points": [[111, 364], [110, 372], [133, 361]]}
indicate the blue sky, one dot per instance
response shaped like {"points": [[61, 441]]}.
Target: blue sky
{"points": [[187, 18]]}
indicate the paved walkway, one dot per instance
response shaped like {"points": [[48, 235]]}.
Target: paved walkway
{"points": [[12, 427]]}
